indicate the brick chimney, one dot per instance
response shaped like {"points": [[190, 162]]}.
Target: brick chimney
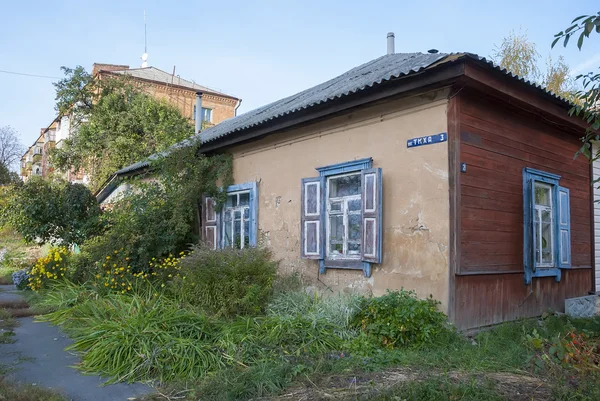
{"points": [[97, 67]]}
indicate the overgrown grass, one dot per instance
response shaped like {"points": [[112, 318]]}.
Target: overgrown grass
{"points": [[26, 392], [18, 254], [439, 389], [155, 333]]}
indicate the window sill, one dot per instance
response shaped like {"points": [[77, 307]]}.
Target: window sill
{"points": [[345, 265]]}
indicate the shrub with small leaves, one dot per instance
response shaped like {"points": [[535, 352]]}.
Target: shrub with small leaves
{"points": [[399, 318], [50, 267], [20, 279], [116, 273], [227, 282]]}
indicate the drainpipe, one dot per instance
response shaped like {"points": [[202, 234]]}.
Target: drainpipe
{"points": [[390, 43], [198, 127], [237, 106]]}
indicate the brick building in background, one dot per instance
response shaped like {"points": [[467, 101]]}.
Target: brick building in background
{"points": [[181, 93]]}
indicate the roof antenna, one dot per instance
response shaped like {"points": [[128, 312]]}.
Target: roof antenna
{"points": [[145, 55]]}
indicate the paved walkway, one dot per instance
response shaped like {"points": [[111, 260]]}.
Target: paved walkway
{"points": [[38, 357]]}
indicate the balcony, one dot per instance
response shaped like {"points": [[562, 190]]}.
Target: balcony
{"points": [[50, 136], [37, 158]]}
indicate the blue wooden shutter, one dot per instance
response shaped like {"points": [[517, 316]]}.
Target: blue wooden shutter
{"points": [[210, 223], [312, 233], [564, 228], [371, 215], [528, 219], [253, 214]]}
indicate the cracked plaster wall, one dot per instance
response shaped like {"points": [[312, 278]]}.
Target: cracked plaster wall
{"points": [[415, 192]]}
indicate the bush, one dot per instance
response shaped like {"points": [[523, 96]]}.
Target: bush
{"points": [[227, 282], [144, 226], [399, 318], [116, 273], [338, 309], [48, 268], [81, 268]]}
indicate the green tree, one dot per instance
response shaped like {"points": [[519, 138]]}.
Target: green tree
{"points": [[521, 57], [51, 211], [116, 124], [589, 96], [7, 176]]}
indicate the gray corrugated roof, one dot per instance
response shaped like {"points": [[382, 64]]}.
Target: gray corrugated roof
{"points": [[155, 74], [367, 75], [361, 77]]}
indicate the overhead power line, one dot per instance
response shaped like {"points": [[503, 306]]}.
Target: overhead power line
{"points": [[29, 75]]}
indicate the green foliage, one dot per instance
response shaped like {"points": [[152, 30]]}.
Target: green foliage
{"points": [[144, 224], [49, 268], [584, 25], [440, 389], [76, 92], [339, 309], [140, 338], [187, 175], [119, 124], [227, 282], [51, 211], [587, 98], [6, 176], [241, 383], [26, 392], [399, 318]]}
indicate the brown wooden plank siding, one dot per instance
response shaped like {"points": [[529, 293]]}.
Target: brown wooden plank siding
{"points": [[483, 300], [496, 143]]}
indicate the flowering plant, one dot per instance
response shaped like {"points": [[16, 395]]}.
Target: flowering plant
{"points": [[20, 279], [50, 267], [118, 275]]}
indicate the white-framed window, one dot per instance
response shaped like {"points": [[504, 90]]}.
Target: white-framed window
{"points": [[341, 223], [543, 227], [343, 220], [235, 225], [236, 220], [546, 225]]}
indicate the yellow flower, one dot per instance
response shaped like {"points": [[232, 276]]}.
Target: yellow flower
{"points": [[106, 284], [108, 258]]}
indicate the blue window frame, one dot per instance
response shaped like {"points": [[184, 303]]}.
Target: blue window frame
{"points": [[236, 225], [546, 225], [341, 216]]}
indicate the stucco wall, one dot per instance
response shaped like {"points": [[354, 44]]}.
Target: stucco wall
{"points": [[415, 192]]}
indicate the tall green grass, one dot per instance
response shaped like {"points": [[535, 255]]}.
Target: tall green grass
{"points": [[147, 336]]}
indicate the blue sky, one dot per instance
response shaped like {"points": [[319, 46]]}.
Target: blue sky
{"points": [[257, 50]]}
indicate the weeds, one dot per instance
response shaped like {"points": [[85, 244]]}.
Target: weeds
{"points": [[26, 392]]}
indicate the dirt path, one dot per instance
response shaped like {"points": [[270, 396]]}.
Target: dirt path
{"points": [[38, 357]]}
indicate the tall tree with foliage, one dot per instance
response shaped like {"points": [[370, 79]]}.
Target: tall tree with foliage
{"points": [[521, 57], [115, 124], [588, 106], [7, 176], [51, 211], [11, 149]]}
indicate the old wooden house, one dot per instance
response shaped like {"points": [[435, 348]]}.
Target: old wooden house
{"points": [[440, 173]]}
